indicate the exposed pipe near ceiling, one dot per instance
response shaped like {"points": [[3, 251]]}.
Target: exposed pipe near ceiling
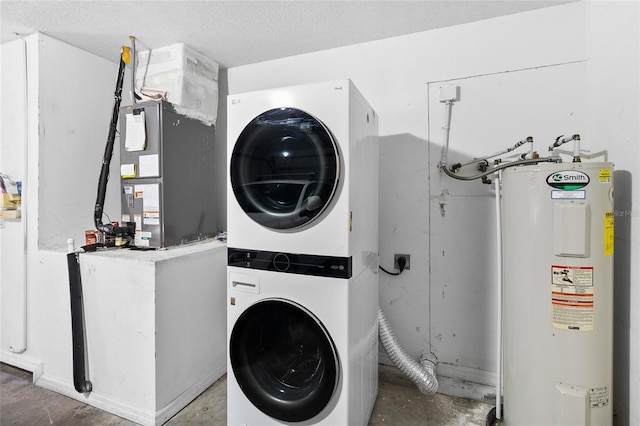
{"points": [[498, 180]]}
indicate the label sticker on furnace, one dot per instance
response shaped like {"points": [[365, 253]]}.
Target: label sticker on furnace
{"points": [[599, 397], [572, 297]]}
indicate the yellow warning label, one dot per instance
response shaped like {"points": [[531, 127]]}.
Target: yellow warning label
{"points": [[604, 175], [608, 232]]}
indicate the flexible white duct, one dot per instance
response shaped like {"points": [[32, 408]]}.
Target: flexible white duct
{"points": [[421, 373]]}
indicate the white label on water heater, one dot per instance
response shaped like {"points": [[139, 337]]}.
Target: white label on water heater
{"points": [[557, 194], [572, 297]]}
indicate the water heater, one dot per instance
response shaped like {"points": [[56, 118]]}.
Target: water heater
{"points": [[558, 293]]}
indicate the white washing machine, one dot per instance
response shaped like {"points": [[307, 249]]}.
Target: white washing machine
{"points": [[303, 165], [303, 256], [302, 349]]}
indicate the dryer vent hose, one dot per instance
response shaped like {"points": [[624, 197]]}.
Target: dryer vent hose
{"points": [[421, 373]]}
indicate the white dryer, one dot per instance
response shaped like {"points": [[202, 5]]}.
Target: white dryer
{"points": [[302, 253], [302, 349], [303, 165]]}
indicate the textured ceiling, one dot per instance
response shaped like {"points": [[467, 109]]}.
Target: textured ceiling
{"points": [[235, 33]]}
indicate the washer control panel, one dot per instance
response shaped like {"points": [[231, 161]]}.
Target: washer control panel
{"points": [[293, 263]]}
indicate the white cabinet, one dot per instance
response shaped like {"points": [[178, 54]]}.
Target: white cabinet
{"points": [[155, 326]]}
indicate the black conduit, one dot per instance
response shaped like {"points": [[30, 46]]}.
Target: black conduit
{"points": [[108, 152], [80, 381]]}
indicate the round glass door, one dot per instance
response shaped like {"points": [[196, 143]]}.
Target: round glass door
{"points": [[285, 168], [284, 360]]}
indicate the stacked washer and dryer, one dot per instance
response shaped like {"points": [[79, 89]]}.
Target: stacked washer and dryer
{"points": [[302, 256]]}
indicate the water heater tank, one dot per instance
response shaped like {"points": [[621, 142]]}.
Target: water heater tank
{"points": [[558, 293]]}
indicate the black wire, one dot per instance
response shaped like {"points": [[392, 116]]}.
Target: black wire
{"points": [[108, 153], [390, 273]]}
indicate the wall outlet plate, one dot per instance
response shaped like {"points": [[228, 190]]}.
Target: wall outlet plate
{"points": [[398, 256]]}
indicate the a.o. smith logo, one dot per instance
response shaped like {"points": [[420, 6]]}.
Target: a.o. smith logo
{"points": [[568, 179]]}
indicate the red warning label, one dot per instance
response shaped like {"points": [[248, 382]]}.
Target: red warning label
{"points": [[572, 297]]}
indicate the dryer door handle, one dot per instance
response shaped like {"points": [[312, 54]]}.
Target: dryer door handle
{"points": [[248, 287]]}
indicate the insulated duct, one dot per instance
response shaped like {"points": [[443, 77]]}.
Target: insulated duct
{"points": [[421, 373]]}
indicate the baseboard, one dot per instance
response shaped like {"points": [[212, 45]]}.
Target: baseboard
{"points": [[122, 409], [189, 395], [453, 380], [24, 362], [118, 407], [467, 374]]}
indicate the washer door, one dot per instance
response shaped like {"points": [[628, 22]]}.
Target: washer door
{"points": [[285, 168], [284, 360]]}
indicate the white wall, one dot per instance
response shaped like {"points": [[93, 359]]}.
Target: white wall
{"points": [[70, 96], [75, 102], [541, 73], [494, 112]]}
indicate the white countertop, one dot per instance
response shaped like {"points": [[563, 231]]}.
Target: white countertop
{"points": [[163, 254]]}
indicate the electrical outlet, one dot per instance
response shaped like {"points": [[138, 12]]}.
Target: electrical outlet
{"points": [[398, 256]]}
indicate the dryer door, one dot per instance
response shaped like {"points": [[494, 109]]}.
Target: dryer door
{"points": [[285, 168], [284, 360]]}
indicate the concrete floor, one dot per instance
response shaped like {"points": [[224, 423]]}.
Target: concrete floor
{"points": [[398, 403]]}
